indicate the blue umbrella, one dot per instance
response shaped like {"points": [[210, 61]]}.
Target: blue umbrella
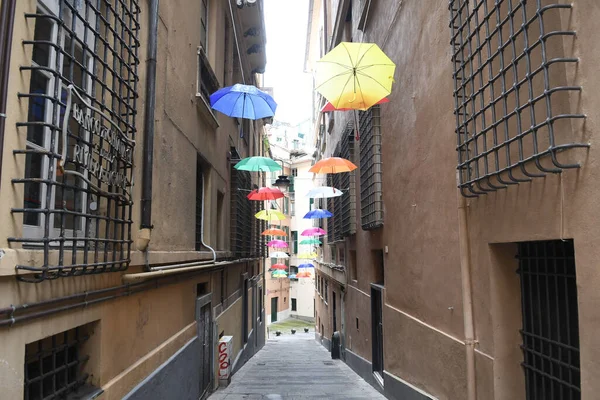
{"points": [[243, 101], [317, 213], [306, 266], [292, 276]]}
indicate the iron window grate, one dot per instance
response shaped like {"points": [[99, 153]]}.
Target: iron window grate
{"points": [[242, 218], [510, 95], [550, 320], [80, 138], [371, 197], [348, 182], [54, 366]]}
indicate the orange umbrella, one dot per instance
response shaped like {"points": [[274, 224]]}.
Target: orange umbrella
{"points": [[274, 232], [332, 165], [303, 274]]}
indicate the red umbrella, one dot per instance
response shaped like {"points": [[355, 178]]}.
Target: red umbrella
{"points": [[265, 193], [279, 266], [329, 107]]}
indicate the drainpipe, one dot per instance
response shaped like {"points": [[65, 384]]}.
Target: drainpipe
{"points": [[150, 105], [202, 224], [7, 20], [465, 269]]}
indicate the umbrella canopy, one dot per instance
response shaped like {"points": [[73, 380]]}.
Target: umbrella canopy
{"points": [[308, 265], [313, 232], [332, 165], [274, 232], [318, 213], [311, 241], [277, 243], [355, 75], [256, 164], [292, 276], [270, 215], [307, 255], [243, 101], [278, 254], [328, 107], [324, 192], [265, 193], [279, 274], [279, 266], [303, 274]]}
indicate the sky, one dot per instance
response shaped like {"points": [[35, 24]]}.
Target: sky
{"points": [[286, 23]]}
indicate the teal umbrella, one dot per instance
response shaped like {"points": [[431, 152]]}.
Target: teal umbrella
{"points": [[311, 241], [264, 164]]}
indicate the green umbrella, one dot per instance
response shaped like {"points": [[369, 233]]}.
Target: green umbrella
{"points": [[279, 274], [311, 241], [264, 164]]}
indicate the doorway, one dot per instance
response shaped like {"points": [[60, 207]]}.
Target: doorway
{"points": [[204, 323], [377, 330], [334, 312], [274, 301]]}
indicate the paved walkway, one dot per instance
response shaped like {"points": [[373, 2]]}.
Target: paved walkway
{"points": [[295, 367]]}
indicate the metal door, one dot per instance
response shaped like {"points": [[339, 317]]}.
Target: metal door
{"points": [[204, 321], [377, 328], [274, 301]]}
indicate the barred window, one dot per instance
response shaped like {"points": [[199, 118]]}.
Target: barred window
{"points": [[511, 94], [371, 197], [242, 217], [80, 136]]}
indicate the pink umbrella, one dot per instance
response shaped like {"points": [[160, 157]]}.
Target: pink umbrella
{"points": [[313, 232], [280, 244]]}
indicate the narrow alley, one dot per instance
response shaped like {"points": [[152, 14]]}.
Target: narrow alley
{"points": [[293, 367]]}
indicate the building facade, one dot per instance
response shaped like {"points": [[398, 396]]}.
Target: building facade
{"points": [[127, 247], [463, 266]]}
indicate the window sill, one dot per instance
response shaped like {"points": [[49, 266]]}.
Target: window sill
{"points": [[206, 111]]}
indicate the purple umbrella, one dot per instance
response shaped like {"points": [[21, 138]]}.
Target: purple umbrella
{"points": [[313, 232], [280, 244]]}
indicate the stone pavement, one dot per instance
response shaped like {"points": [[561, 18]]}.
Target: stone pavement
{"points": [[295, 367]]}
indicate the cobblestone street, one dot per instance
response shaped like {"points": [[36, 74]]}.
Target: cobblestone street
{"points": [[295, 367]]}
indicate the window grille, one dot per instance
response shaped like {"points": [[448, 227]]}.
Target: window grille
{"points": [[347, 182], [55, 366], [80, 131], [331, 207], [550, 320], [242, 217], [511, 105], [371, 197]]}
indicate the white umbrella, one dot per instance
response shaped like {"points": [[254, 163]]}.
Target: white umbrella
{"points": [[325, 192], [279, 254]]}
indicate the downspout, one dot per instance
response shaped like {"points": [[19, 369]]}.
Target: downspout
{"points": [[202, 224], [465, 269], [149, 109], [7, 20]]}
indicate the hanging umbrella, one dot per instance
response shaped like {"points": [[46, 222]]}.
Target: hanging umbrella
{"points": [[292, 276], [243, 101], [311, 241], [306, 266], [332, 165], [313, 232], [278, 254], [303, 274], [279, 274], [280, 244], [307, 255], [324, 192], [256, 164], [270, 215], [279, 266], [355, 75], [265, 193], [328, 107], [317, 213], [274, 232]]}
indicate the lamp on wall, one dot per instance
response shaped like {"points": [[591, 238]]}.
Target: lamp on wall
{"points": [[282, 182]]}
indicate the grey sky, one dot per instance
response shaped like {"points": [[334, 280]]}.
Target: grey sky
{"points": [[286, 42]]}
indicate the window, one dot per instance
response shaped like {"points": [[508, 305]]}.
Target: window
{"points": [[326, 290], [286, 205], [243, 232], [550, 320], [294, 171], [204, 24], [80, 133], [371, 197], [199, 202], [378, 267], [294, 242], [511, 91], [294, 307], [58, 365], [352, 264]]}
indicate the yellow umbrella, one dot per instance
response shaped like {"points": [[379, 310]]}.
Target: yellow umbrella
{"points": [[307, 255], [355, 75], [270, 215]]}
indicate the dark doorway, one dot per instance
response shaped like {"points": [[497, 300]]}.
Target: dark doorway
{"points": [[377, 330], [245, 308], [204, 322], [274, 301], [334, 312]]}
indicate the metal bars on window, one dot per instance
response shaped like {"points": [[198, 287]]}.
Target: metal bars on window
{"points": [[550, 320], [80, 131], [371, 196], [53, 366], [347, 182], [511, 98], [242, 218]]}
